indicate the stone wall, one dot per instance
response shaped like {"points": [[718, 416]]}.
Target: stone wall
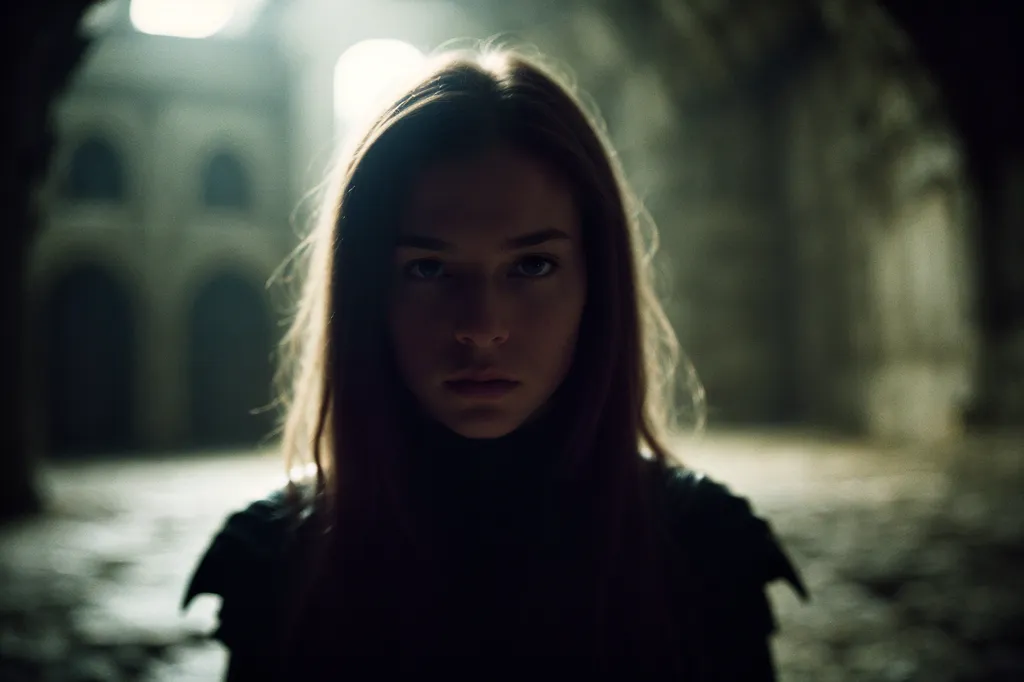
{"points": [[882, 214], [728, 249]]}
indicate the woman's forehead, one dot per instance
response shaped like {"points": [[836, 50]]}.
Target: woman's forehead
{"points": [[504, 190]]}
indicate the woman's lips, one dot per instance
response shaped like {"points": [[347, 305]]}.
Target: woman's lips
{"points": [[490, 388]]}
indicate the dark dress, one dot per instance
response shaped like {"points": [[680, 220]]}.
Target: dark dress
{"points": [[488, 499]]}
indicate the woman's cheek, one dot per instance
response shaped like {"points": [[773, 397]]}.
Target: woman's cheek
{"points": [[553, 293], [415, 305]]}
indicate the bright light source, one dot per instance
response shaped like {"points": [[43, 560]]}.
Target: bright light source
{"points": [[366, 71], [181, 18]]}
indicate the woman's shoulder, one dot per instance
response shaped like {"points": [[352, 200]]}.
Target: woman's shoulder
{"points": [[726, 556], [724, 540], [248, 564]]}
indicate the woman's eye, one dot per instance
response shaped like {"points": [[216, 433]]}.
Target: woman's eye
{"points": [[424, 269], [534, 266]]}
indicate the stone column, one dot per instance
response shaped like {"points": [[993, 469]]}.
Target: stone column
{"points": [[164, 347]]}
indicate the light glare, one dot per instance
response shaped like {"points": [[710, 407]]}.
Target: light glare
{"points": [[365, 72], [181, 18], [302, 472]]}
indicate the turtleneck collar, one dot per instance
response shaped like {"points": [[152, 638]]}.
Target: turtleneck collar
{"points": [[530, 453]]}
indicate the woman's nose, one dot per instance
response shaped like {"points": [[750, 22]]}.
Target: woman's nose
{"points": [[480, 319]]}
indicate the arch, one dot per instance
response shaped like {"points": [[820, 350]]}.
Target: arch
{"points": [[95, 172], [90, 351], [226, 183], [230, 368]]}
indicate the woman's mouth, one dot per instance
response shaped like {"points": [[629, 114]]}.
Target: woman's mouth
{"points": [[491, 388]]}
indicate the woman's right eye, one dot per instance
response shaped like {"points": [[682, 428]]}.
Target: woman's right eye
{"points": [[424, 269]]}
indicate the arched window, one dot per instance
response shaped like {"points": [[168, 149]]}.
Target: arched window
{"points": [[226, 183], [95, 172]]}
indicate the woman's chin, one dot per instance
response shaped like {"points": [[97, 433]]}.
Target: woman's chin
{"points": [[482, 424], [481, 432]]}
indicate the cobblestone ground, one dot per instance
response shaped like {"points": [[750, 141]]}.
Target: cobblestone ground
{"points": [[914, 556]]}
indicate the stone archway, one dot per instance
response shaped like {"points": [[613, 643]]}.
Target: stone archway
{"points": [[90, 349], [230, 370]]}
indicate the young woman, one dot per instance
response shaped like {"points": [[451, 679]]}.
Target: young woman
{"points": [[478, 387]]}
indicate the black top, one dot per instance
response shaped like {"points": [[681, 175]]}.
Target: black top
{"points": [[493, 504]]}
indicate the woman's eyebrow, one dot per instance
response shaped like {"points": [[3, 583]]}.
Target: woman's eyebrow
{"points": [[535, 238], [419, 241]]}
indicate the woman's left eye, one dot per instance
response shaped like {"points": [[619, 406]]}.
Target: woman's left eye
{"points": [[424, 269], [534, 266]]}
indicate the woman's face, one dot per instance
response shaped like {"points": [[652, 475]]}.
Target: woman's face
{"points": [[489, 291]]}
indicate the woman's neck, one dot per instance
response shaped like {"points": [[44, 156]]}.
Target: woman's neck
{"points": [[525, 458], [533, 442]]}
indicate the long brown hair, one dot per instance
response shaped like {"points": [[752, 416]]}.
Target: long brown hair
{"points": [[343, 420]]}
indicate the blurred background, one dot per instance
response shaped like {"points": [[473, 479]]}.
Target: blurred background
{"points": [[839, 189]]}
